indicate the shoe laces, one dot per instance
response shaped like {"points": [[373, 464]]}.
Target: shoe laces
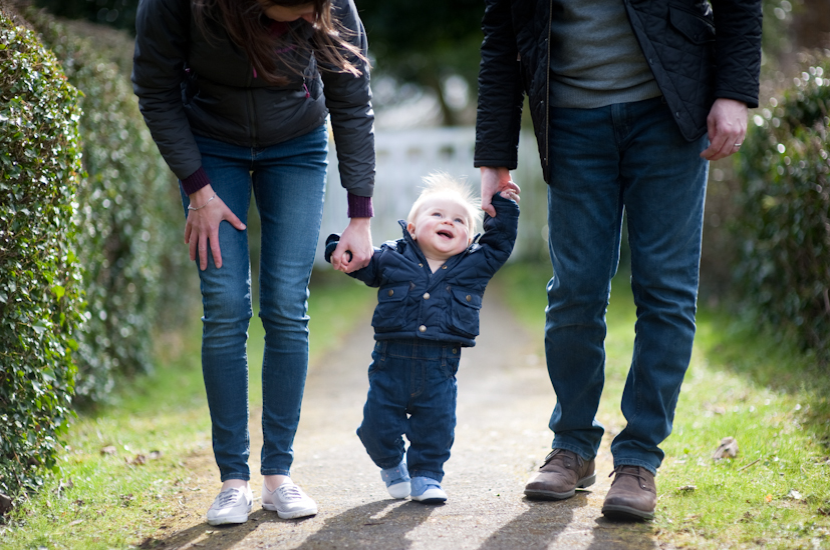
{"points": [[289, 492], [553, 453], [635, 474], [227, 498]]}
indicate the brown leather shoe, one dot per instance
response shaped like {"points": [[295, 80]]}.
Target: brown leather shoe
{"points": [[632, 496], [560, 475]]}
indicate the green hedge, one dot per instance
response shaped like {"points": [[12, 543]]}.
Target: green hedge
{"points": [[39, 273], [784, 223], [135, 265]]}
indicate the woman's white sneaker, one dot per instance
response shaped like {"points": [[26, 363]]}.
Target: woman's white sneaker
{"points": [[231, 506], [288, 501]]}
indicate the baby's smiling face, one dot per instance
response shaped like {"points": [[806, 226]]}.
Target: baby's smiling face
{"points": [[442, 227]]}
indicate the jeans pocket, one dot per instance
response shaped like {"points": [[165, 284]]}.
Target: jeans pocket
{"points": [[450, 365], [378, 358]]}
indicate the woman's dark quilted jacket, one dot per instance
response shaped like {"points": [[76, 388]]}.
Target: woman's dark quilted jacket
{"points": [[697, 53], [188, 83], [443, 306]]}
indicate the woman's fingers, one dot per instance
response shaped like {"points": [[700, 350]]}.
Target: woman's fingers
{"points": [[202, 231]]}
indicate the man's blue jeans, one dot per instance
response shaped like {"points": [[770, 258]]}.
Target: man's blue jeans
{"points": [[288, 181], [624, 157], [412, 392]]}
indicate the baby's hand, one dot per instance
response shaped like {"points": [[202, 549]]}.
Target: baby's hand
{"points": [[510, 194]]}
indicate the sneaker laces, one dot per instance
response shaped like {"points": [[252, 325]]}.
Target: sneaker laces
{"points": [[289, 492], [226, 498]]}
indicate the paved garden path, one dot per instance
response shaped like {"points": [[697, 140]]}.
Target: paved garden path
{"points": [[504, 402]]}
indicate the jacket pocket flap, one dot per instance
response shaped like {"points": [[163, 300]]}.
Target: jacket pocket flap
{"points": [[467, 298], [393, 293], [697, 29]]}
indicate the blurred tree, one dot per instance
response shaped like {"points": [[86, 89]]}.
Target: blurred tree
{"points": [[430, 43], [116, 13], [433, 42]]}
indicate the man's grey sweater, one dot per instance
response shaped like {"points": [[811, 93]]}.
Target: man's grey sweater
{"points": [[595, 57]]}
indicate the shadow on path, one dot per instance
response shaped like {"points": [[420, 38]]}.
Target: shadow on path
{"points": [[540, 526], [381, 525]]}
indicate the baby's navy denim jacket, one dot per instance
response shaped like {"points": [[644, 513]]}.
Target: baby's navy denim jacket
{"points": [[443, 306]]}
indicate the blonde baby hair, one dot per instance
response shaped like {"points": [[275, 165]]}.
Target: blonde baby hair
{"points": [[441, 183]]}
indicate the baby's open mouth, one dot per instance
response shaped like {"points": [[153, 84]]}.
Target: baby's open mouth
{"points": [[445, 234]]}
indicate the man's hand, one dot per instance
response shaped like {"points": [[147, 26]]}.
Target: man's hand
{"points": [[496, 180], [354, 251], [727, 128], [202, 228]]}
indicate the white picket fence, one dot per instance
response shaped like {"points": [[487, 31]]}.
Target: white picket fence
{"points": [[404, 157]]}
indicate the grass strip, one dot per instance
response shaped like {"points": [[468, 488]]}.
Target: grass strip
{"points": [[743, 383], [122, 473]]}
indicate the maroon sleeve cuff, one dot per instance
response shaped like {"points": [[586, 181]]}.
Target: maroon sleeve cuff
{"points": [[360, 207], [195, 181]]}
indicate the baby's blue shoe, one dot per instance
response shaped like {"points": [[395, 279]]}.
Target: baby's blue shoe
{"points": [[427, 490], [397, 480]]}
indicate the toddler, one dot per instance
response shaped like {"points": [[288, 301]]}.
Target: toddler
{"points": [[431, 284]]}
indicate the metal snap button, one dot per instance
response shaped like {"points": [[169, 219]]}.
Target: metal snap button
{"points": [[422, 328], [468, 298], [391, 292], [426, 295]]}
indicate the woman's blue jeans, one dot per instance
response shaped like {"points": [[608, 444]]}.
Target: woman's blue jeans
{"points": [[627, 157], [288, 181]]}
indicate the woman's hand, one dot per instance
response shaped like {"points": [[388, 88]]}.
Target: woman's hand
{"points": [[496, 180], [354, 251], [727, 128], [202, 229]]}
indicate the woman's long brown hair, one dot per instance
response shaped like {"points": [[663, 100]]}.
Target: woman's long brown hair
{"points": [[248, 27]]}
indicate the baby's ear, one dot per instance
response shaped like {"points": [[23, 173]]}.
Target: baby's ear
{"points": [[411, 228]]}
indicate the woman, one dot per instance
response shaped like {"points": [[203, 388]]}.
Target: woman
{"points": [[236, 93]]}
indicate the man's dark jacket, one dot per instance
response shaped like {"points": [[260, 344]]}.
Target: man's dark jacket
{"points": [[414, 302], [696, 53]]}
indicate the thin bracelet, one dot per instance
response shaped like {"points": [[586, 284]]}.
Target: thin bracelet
{"points": [[190, 207]]}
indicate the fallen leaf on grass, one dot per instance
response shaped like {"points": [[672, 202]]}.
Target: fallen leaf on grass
{"points": [[728, 448], [64, 484], [687, 488], [5, 503], [768, 498], [793, 495], [140, 459], [108, 450]]}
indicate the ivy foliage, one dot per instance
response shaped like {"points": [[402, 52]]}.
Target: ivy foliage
{"points": [[784, 225], [130, 213], [40, 280]]}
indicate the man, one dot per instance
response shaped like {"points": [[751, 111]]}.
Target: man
{"points": [[630, 99]]}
